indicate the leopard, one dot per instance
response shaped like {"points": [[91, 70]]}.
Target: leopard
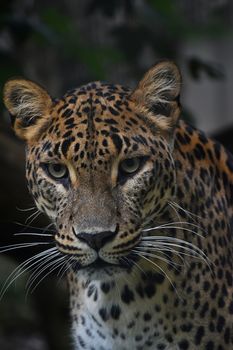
{"points": [[142, 207]]}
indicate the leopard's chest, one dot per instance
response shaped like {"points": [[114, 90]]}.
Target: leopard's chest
{"points": [[113, 315], [101, 329]]}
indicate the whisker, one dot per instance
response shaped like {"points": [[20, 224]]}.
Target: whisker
{"points": [[47, 228], [161, 249], [43, 229], [35, 276], [167, 261], [33, 216], [162, 239], [23, 268], [175, 210], [64, 269], [33, 234], [187, 212], [42, 263], [139, 267], [10, 247], [190, 215], [57, 264], [26, 209], [179, 222], [166, 226], [162, 271], [168, 240], [189, 247], [149, 248]]}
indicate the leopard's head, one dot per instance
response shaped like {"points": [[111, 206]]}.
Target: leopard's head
{"points": [[99, 160]]}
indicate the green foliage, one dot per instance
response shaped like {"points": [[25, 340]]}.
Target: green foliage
{"points": [[67, 40], [158, 24], [56, 21]]}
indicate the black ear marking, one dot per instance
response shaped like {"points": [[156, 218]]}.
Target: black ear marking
{"points": [[161, 109]]}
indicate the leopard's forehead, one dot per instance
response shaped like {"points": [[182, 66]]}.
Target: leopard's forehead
{"points": [[97, 119], [95, 99]]}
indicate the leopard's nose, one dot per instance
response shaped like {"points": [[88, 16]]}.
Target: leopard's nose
{"points": [[96, 240]]}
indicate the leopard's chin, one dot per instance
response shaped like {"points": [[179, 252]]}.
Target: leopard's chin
{"points": [[101, 269]]}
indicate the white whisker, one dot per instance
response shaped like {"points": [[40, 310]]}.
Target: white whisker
{"points": [[177, 223], [190, 248], [23, 268], [64, 268], [166, 226], [10, 247], [188, 213], [42, 263], [159, 268], [156, 256], [43, 229], [33, 234], [162, 239], [158, 247], [175, 210], [33, 216], [26, 209], [54, 264], [149, 248]]}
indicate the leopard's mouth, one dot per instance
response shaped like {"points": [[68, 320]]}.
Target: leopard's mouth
{"points": [[101, 265]]}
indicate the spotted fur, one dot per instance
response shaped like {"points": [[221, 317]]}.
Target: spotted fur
{"points": [[160, 276]]}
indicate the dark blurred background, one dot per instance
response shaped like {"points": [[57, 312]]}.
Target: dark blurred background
{"points": [[62, 44]]}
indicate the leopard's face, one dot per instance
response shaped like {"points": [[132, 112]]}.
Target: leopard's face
{"points": [[99, 168], [99, 163]]}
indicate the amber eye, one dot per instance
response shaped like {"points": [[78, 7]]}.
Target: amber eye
{"points": [[57, 171], [130, 165]]}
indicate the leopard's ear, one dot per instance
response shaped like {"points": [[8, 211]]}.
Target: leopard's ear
{"points": [[157, 94], [29, 106]]}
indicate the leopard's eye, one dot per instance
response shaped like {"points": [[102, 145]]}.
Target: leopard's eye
{"points": [[130, 165], [57, 171]]}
